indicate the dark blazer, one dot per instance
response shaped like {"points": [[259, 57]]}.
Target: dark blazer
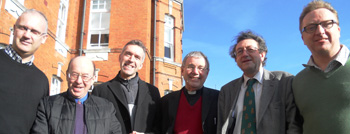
{"points": [[170, 102], [277, 113], [146, 107]]}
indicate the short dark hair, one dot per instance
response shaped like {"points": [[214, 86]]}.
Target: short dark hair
{"points": [[249, 35], [313, 5], [138, 43]]}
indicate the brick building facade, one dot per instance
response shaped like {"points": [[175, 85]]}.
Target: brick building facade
{"points": [[99, 29]]}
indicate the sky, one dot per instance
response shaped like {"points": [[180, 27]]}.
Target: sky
{"points": [[212, 25]]}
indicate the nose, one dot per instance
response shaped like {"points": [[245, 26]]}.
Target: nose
{"points": [[195, 70], [79, 79], [320, 30], [27, 33]]}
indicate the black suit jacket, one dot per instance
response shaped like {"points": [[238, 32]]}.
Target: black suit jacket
{"points": [[146, 107], [170, 103]]}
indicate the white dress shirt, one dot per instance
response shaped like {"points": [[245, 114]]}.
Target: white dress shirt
{"points": [[238, 111]]}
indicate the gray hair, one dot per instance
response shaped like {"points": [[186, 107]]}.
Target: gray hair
{"points": [[198, 54]]}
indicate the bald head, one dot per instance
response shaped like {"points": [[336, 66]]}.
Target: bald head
{"points": [[83, 61]]}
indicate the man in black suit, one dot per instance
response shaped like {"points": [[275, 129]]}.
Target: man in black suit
{"points": [[193, 109], [134, 99]]}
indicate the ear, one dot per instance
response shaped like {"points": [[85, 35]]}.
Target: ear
{"points": [[262, 55], [141, 65], [44, 39]]}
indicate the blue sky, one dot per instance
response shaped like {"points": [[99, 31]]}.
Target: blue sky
{"points": [[211, 25]]}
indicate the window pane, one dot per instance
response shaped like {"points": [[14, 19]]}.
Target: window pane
{"points": [[95, 20], [104, 38], [105, 20], [167, 52], [94, 38], [108, 4]]}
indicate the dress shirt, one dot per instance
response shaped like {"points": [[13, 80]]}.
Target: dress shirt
{"points": [[340, 59], [238, 111], [82, 99], [15, 56]]}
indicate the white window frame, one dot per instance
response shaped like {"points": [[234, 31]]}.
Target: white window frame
{"points": [[100, 30], [55, 85], [60, 45], [169, 41], [15, 7]]}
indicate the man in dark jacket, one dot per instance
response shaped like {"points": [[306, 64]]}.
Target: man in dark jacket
{"points": [[75, 111], [193, 109], [134, 99]]}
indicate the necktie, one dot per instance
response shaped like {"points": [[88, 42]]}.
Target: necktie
{"points": [[79, 119], [248, 118]]}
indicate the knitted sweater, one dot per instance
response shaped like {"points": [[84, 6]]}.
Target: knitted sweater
{"points": [[21, 89], [324, 100]]}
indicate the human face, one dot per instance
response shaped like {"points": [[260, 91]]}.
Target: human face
{"points": [[195, 73], [25, 43], [322, 42], [130, 61], [82, 66], [249, 62]]}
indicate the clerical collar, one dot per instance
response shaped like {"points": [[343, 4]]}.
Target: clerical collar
{"points": [[199, 91]]}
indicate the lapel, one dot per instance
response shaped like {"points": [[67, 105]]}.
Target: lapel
{"points": [[116, 89], [236, 88], [268, 90], [206, 103], [173, 106], [143, 92]]}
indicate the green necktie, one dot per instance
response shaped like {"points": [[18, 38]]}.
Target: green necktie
{"points": [[248, 117]]}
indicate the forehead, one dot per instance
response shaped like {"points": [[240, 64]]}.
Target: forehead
{"points": [[32, 20], [83, 66], [246, 43], [195, 61], [318, 15], [135, 49]]}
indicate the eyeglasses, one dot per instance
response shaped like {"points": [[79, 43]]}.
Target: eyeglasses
{"points": [[32, 31], [249, 50], [192, 67], [75, 76], [325, 24]]}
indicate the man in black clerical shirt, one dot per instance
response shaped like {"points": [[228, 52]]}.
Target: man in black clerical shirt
{"points": [[193, 101], [134, 99]]}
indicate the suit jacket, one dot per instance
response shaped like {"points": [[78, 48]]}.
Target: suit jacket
{"points": [[170, 103], [146, 107], [277, 113]]}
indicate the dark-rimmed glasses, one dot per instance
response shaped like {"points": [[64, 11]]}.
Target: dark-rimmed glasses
{"points": [[311, 28]]}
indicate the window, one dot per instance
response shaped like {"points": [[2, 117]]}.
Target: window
{"points": [[61, 28], [55, 85], [99, 24], [15, 7], [169, 37]]}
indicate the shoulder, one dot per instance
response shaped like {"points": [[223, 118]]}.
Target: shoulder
{"points": [[231, 83], [99, 101], [172, 95], [280, 74], [210, 90]]}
